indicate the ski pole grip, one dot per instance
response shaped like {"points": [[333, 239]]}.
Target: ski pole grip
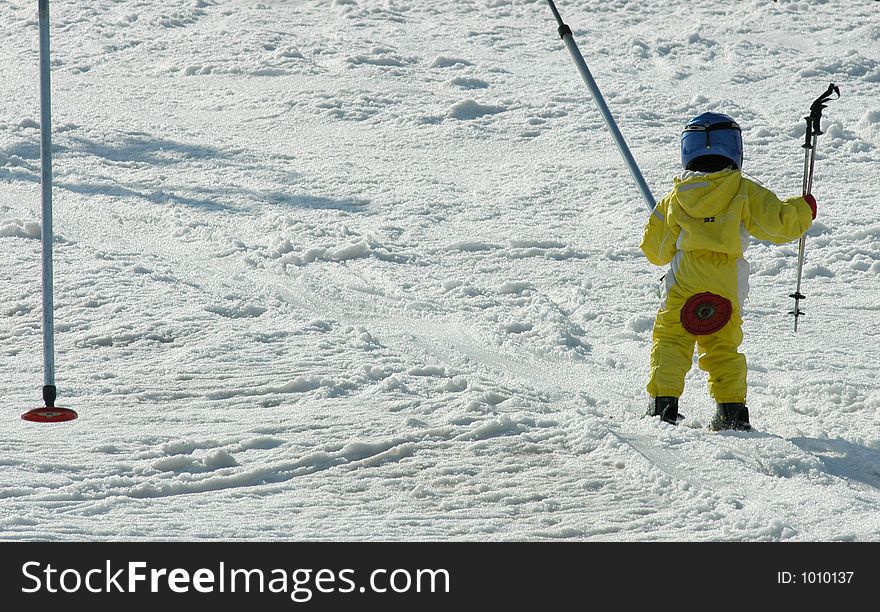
{"points": [[808, 135], [832, 89], [819, 103]]}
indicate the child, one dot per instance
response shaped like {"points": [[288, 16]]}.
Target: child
{"points": [[705, 226]]}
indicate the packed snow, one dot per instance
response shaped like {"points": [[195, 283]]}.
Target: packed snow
{"points": [[369, 270]]}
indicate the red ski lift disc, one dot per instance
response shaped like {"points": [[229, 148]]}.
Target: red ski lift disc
{"points": [[705, 313], [49, 414]]}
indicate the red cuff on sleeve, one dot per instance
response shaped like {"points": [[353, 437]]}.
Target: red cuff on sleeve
{"points": [[812, 202]]}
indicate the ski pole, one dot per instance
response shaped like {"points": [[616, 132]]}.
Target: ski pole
{"points": [[814, 129], [566, 35], [50, 413]]}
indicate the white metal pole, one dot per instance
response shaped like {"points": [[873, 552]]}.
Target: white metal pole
{"points": [[565, 33], [46, 197]]}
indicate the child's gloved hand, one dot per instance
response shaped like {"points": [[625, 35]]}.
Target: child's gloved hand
{"points": [[812, 202]]}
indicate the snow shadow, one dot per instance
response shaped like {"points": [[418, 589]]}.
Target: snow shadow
{"points": [[201, 163], [145, 148], [157, 196], [139, 152], [844, 459], [20, 162], [316, 202]]}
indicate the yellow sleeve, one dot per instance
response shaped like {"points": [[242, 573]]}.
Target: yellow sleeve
{"points": [[658, 241], [766, 217]]}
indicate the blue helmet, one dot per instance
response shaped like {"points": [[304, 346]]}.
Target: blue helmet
{"points": [[714, 136]]}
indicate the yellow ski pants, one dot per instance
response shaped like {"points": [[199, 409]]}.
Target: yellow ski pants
{"points": [[672, 352]]}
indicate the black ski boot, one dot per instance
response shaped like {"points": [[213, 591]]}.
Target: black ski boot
{"points": [[731, 416], [665, 407]]}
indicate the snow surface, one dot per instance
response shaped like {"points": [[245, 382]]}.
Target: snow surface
{"points": [[368, 270]]}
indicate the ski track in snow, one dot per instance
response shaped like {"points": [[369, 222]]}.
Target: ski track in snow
{"points": [[369, 270]]}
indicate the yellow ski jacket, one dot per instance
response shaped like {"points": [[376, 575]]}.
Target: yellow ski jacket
{"points": [[706, 224], [717, 212]]}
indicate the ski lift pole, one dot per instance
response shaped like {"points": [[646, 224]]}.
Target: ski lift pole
{"points": [[50, 413], [46, 198], [814, 129], [565, 33]]}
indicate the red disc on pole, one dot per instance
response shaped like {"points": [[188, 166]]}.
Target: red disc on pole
{"points": [[49, 414], [705, 313]]}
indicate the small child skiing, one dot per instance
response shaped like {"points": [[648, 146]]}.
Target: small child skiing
{"points": [[706, 222]]}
